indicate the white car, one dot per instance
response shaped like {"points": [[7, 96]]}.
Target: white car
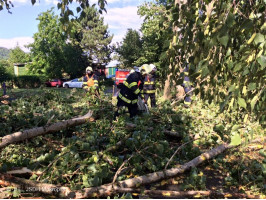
{"points": [[75, 83]]}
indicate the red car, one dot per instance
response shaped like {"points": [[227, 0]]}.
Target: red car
{"points": [[54, 83]]}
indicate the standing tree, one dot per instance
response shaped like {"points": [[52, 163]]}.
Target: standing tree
{"points": [[17, 55], [130, 49], [94, 36], [155, 38], [62, 5], [4, 74], [52, 52], [224, 42]]}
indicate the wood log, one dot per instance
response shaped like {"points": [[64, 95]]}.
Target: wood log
{"points": [[109, 189], [181, 194], [34, 186], [169, 133], [34, 132], [23, 171]]}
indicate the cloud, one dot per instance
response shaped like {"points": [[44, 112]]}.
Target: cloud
{"points": [[19, 1], [17, 41], [121, 19], [54, 2]]}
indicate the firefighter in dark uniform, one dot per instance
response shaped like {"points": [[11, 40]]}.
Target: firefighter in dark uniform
{"points": [[187, 87], [149, 86], [90, 80], [131, 89]]}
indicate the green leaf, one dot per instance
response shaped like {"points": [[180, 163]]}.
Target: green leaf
{"points": [[235, 127], [242, 103], [251, 86], [230, 20], [248, 24], [262, 61], [245, 72], [85, 180], [16, 193], [237, 67], [253, 102], [92, 167], [224, 40], [235, 139], [228, 53], [259, 38], [231, 88], [205, 71]]}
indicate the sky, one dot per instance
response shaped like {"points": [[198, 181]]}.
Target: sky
{"points": [[18, 28]]}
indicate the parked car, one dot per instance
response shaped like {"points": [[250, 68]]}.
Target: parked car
{"points": [[54, 83], [75, 83]]}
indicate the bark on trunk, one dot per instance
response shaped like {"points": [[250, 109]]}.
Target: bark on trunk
{"points": [[167, 86], [167, 89], [34, 132], [108, 189], [34, 186], [181, 194]]}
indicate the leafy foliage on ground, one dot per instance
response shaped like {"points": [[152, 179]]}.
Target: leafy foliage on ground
{"points": [[88, 155]]}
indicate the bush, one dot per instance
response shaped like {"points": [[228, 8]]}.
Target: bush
{"points": [[28, 81]]}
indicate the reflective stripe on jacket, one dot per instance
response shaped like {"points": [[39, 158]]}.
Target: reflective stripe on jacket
{"points": [[91, 81], [131, 88], [149, 84]]}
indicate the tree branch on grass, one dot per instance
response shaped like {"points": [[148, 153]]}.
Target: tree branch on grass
{"points": [[34, 132], [109, 189], [188, 194]]}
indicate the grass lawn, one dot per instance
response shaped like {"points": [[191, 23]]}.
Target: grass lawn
{"points": [[22, 92]]}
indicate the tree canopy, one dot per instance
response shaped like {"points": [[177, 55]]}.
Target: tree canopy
{"points": [[93, 36], [130, 48], [52, 54], [62, 5], [17, 55], [224, 43], [4, 53]]}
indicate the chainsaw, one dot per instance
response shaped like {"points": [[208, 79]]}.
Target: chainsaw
{"points": [[142, 106]]}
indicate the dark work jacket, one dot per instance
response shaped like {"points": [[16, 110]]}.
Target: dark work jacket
{"points": [[149, 84], [186, 82], [131, 88]]}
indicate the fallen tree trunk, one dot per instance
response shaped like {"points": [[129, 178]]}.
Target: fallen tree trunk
{"points": [[182, 194], [34, 186], [109, 189], [169, 133], [34, 132]]}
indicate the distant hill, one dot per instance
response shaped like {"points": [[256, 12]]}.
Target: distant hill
{"points": [[4, 53]]}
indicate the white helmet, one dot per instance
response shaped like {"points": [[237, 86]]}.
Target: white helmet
{"points": [[153, 67], [89, 69], [144, 69]]}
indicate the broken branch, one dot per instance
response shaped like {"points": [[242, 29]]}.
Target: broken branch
{"points": [[34, 132]]}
